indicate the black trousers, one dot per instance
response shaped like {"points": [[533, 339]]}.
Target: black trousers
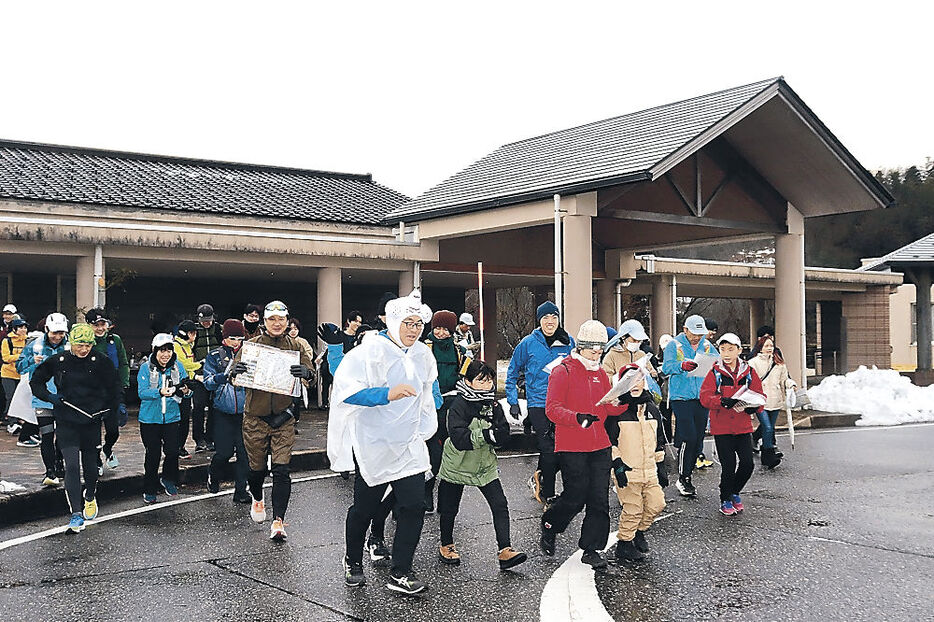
{"points": [[80, 445], [690, 427], [548, 462], [586, 487], [410, 516], [51, 454], [202, 416], [734, 476], [449, 501], [228, 440], [159, 439], [111, 434], [184, 424]]}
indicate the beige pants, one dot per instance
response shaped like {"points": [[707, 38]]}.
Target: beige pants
{"points": [[260, 439], [641, 502]]}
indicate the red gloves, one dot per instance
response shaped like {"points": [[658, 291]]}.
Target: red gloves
{"points": [[688, 365]]}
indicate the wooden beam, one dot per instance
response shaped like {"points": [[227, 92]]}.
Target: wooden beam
{"points": [[723, 183], [684, 198], [696, 221], [608, 196]]}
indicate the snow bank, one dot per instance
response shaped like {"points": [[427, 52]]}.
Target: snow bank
{"points": [[881, 396]]}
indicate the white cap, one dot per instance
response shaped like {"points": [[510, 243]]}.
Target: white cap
{"points": [[276, 308], [161, 339], [55, 323], [664, 340], [467, 319], [730, 338], [634, 329], [9, 309]]}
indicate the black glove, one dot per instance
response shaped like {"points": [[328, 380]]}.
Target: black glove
{"points": [[238, 368], [185, 383], [728, 402], [751, 410], [662, 474], [514, 410], [585, 420], [122, 416], [330, 333], [300, 371], [489, 436], [619, 470]]}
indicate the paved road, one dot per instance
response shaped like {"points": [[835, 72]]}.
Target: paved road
{"points": [[844, 530]]}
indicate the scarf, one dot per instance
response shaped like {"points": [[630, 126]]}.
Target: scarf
{"points": [[587, 363], [472, 395]]}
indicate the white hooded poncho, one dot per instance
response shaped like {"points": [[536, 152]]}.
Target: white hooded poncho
{"points": [[388, 440]]}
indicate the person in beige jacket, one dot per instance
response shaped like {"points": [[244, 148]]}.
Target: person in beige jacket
{"points": [[626, 349], [767, 360]]}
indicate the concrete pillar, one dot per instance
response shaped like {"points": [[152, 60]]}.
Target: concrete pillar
{"points": [[606, 302], [664, 294], [756, 318], [578, 272], [406, 282], [921, 277], [490, 327], [789, 295], [85, 286], [330, 307]]}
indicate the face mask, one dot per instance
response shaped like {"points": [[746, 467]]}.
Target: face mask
{"points": [[633, 347], [250, 326]]}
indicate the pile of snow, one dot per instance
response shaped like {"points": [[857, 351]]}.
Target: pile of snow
{"points": [[6, 486], [881, 396]]}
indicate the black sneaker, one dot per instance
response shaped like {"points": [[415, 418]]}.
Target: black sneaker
{"points": [[626, 551], [685, 487], [353, 573], [547, 542], [379, 553], [640, 543], [593, 559], [242, 497], [406, 583], [214, 486]]}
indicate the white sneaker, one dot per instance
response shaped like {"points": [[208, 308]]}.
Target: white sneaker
{"points": [[258, 511], [277, 530]]}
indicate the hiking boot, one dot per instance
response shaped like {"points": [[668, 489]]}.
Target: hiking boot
{"points": [[405, 583], [258, 511], [170, 488], [76, 524], [448, 554], [509, 557], [737, 504], [214, 486], [547, 541], [90, 509], [685, 487], [593, 559], [727, 509], [353, 573], [380, 555], [626, 551], [277, 530], [535, 486], [639, 542]]}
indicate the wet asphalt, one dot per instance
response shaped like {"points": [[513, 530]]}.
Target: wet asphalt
{"points": [[842, 530]]}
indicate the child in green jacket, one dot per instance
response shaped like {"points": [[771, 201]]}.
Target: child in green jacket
{"points": [[476, 424]]}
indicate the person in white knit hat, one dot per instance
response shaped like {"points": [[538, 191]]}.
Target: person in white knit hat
{"points": [[582, 445], [382, 412]]}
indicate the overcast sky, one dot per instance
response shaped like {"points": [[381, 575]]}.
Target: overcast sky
{"points": [[413, 95]]}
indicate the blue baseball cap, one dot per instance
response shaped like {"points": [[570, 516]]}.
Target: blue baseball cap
{"points": [[695, 325]]}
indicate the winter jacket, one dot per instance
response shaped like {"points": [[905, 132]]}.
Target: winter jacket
{"points": [[261, 403], [775, 380], [467, 458], [90, 383], [448, 356], [186, 356], [617, 358], [208, 340], [149, 380], [10, 348], [574, 389], [530, 358], [724, 382], [27, 362], [111, 346], [638, 438], [680, 385], [227, 397]]}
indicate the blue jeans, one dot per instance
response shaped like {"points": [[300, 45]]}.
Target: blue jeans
{"points": [[767, 419]]}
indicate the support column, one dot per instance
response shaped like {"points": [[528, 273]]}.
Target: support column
{"points": [[406, 282], [664, 294], [578, 261], [789, 295], [490, 327], [921, 277], [756, 318], [606, 302], [85, 286], [330, 307]]}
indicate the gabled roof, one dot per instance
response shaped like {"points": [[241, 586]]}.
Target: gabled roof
{"points": [[113, 178], [633, 147], [916, 253]]}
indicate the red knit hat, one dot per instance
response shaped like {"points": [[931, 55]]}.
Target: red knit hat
{"points": [[444, 319], [233, 328]]}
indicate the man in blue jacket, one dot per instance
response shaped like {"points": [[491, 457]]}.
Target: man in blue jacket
{"points": [[684, 396], [533, 357], [228, 408]]}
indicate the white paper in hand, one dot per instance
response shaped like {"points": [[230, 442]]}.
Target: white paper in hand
{"points": [[746, 398], [704, 364], [623, 385]]}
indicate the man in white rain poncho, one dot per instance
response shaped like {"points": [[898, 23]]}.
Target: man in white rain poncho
{"points": [[382, 412]]}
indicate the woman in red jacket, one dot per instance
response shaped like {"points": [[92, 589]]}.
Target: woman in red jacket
{"points": [[731, 428], [582, 445]]}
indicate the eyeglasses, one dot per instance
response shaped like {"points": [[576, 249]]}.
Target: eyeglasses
{"points": [[414, 325]]}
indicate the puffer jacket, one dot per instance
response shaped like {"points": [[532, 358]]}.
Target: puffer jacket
{"points": [[467, 458], [638, 438], [89, 383], [530, 358], [574, 389], [185, 353], [149, 380], [724, 382], [10, 348], [681, 386], [228, 398], [774, 382], [27, 363], [261, 403]]}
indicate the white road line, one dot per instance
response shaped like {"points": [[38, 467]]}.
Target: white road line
{"points": [[141, 510]]}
